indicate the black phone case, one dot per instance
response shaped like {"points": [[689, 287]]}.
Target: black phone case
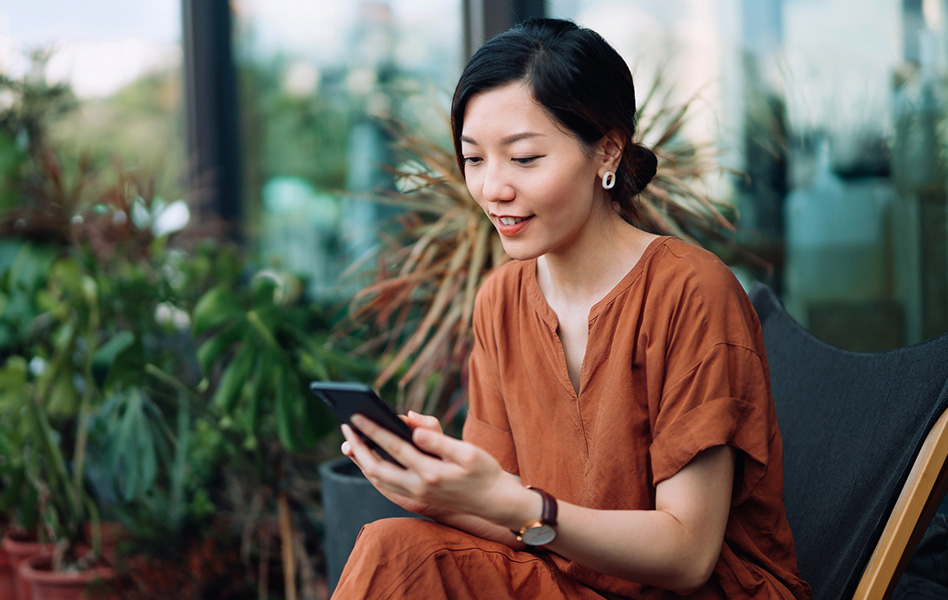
{"points": [[345, 399]]}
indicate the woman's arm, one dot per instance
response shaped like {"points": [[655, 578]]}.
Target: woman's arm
{"points": [[675, 546]]}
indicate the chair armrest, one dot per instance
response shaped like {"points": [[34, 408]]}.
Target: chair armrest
{"points": [[916, 506]]}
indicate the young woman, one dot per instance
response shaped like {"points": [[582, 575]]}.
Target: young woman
{"points": [[621, 440]]}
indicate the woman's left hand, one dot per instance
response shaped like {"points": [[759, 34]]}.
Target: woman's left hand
{"points": [[460, 479]]}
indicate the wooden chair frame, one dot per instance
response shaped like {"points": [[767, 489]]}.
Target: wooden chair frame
{"points": [[917, 504]]}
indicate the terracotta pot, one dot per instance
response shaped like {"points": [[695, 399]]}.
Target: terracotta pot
{"points": [[47, 584], [7, 590], [113, 533], [19, 548]]}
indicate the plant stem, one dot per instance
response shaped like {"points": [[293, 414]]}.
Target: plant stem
{"points": [[90, 290], [286, 537], [168, 379]]}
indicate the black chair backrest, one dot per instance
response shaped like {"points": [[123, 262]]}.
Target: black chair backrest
{"points": [[852, 424]]}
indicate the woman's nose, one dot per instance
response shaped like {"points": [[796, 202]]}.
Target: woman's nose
{"points": [[497, 186]]}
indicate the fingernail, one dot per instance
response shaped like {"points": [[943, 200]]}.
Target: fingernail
{"points": [[357, 420], [346, 447]]}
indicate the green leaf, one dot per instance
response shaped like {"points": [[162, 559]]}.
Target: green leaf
{"points": [[233, 378], [126, 367], [215, 346], [109, 350], [262, 385], [147, 460], [317, 420], [30, 264], [264, 287], [215, 307], [66, 277], [284, 414], [63, 401], [13, 383], [105, 356], [124, 450]]}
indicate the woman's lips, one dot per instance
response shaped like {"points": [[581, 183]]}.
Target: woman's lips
{"points": [[509, 226]]}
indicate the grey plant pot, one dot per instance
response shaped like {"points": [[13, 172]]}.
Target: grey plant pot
{"points": [[349, 502]]}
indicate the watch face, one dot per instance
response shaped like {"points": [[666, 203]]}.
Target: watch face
{"points": [[537, 536]]}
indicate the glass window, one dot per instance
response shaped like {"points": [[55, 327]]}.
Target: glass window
{"points": [[316, 82], [833, 112], [122, 62]]}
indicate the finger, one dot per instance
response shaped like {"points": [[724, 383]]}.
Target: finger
{"points": [[371, 462], [401, 450], [352, 439], [359, 451], [442, 445], [380, 472], [376, 469], [427, 421]]}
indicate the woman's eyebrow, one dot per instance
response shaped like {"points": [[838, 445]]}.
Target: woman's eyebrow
{"points": [[510, 139]]}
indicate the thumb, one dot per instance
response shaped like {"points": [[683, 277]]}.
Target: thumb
{"points": [[424, 421]]}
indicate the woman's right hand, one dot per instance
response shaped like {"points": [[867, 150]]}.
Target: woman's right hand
{"points": [[415, 421]]}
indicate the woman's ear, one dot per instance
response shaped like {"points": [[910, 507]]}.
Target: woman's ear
{"points": [[612, 145]]}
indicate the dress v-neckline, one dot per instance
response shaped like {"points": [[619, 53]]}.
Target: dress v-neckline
{"points": [[549, 316]]}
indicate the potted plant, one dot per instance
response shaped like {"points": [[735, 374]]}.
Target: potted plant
{"points": [[18, 502], [41, 400], [85, 267], [262, 343]]}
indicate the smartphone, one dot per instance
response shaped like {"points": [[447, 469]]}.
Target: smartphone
{"points": [[345, 399]]}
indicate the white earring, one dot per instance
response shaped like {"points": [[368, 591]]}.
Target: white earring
{"points": [[608, 180]]}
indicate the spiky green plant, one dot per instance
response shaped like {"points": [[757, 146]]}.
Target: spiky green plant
{"points": [[416, 310]]}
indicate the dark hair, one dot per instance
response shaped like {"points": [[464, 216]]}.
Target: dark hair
{"points": [[579, 79]]}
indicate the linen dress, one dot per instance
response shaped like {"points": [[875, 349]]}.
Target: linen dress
{"points": [[674, 365]]}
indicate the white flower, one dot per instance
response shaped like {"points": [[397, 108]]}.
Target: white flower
{"points": [[37, 366], [169, 314]]}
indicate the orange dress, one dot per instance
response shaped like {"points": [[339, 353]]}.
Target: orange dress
{"points": [[674, 365]]}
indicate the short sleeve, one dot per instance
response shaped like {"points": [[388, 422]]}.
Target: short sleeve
{"points": [[722, 401], [716, 388], [487, 425]]}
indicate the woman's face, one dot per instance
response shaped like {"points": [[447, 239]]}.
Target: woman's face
{"points": [[538, 184]]}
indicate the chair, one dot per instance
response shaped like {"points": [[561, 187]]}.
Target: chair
{"points": [[865, 445]]}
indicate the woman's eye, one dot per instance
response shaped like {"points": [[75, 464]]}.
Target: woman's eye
{"points": [[472, 160], [526, 160]]}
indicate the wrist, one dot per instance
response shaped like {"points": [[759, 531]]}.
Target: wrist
{"points": [[542, 531], [515, 505]]}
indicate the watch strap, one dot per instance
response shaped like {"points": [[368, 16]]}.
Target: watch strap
{"points": [[548, 514]]}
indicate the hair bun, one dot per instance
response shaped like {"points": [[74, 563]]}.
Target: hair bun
{"points": [[644, 166]]}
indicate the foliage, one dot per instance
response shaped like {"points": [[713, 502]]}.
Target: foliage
{"points": [[88, 339], [96, 286], [268, 341], [416, 311]]}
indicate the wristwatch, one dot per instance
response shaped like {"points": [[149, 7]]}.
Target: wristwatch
{"points": [[538, 533]]}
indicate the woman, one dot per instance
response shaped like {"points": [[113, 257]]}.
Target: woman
{"points": [[621, 440]]}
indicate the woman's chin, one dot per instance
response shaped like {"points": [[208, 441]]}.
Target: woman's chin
{"points": [[518, 251]]}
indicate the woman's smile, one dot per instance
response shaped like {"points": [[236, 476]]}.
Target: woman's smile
{"points": [[510, 226]]}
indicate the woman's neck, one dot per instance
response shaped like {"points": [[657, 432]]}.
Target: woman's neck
{"points": [[587, 271]]}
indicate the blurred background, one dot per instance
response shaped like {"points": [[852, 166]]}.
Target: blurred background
{"points": [[830, 113]]}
